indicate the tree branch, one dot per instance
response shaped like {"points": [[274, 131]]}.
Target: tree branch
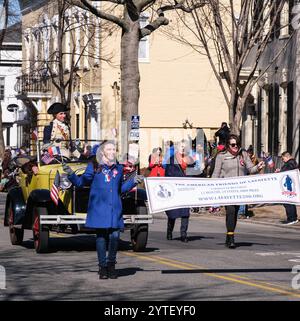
{"points": [[151, 27], [85, 4]]}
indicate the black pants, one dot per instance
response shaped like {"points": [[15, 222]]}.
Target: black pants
{"points": [[291, 212], [231, 217], [183, 227]]}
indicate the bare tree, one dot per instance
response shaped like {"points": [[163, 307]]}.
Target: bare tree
{"points": [[126, 15], [76, 37], [233, 35]]}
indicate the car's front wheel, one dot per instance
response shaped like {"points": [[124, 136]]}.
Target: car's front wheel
{"points": [[40, 233], [139, 237], [16, 234]]}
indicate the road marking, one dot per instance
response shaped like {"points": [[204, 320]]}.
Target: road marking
{"points": [[58, 235], [231, 277]]}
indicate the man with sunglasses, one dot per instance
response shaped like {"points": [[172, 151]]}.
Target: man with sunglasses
{"points": [[232, 162]]}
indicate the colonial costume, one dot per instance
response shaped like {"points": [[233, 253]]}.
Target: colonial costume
{"points": [[58, 133]]}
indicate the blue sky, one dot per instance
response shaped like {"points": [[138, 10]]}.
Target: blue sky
{"points": [[15, 8]]}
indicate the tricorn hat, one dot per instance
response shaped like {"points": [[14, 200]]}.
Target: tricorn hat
{"points": [[57, 108]]}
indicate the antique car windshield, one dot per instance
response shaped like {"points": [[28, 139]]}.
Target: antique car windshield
{"points": [[66, 151]]}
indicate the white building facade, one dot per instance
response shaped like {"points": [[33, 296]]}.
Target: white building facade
{"points": [[10, 68]]}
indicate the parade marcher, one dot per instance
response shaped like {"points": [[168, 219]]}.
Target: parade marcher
{"points": [[243, 211], [105, 206], [222, 133], [176, 167], [169, 152], [289, 163], [58, 132], [231, 163], [155, 163]]}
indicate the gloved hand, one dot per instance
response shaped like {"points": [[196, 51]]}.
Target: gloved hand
{"points": [[67, 169], [138, 179]]}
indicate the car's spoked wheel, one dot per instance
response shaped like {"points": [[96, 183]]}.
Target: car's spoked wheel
{"points": [[40, 234], [16, 234]]}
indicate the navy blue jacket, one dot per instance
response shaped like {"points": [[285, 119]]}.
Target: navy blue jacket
{"points": [[174, 170]]}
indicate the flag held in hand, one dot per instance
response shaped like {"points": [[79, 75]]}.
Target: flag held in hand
{"points": [[270, 162], [55, 189], [54, 150]]}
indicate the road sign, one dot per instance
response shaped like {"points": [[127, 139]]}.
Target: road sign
{"points": [[135, 122], [12, 107], [134, 134]]}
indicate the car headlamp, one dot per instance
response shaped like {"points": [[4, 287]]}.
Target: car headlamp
{"points": [[64, 182]]}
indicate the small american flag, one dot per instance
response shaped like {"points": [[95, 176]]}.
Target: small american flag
{"points": [[55, 188], [47, 158]]}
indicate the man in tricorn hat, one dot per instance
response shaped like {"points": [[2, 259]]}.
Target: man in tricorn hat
{"points": [[58, 132]]}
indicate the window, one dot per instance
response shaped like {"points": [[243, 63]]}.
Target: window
{"points": [[284, 20], [2, 86], [144, 42]]}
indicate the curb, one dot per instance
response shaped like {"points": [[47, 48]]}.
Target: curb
{"points": [[251, 221], [295, 227]]}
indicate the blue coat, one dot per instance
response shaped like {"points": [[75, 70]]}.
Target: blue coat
{"points": [[105, 205], [173, 169]]}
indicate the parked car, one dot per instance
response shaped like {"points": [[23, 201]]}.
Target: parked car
{"points": [[30, 207]]}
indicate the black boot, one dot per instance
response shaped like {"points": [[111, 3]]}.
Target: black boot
{"points": [[170, 228], [103, 273], [112, 273], [184, 239], [230, 241]]}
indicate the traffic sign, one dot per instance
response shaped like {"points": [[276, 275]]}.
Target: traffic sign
{"points": [[135, 122], [12, 107], [134, 134]]}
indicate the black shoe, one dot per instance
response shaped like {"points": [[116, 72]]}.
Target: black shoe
{"points": [[169, 236], [103, 273], [112, 273], [230, 242], [184, 239]]}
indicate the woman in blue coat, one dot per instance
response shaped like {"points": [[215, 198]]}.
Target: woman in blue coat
{"points": [[176, 167], [105, 206]]}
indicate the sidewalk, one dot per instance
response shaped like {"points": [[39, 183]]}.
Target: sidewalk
{"points": [[266, 215]]}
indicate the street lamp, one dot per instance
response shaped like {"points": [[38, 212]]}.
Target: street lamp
{"points": [[88, 102]]}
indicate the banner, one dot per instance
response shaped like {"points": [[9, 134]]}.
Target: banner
{"points": [[166, 193]]}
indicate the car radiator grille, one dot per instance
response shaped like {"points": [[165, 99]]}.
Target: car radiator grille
{"points": [[81, 199]]}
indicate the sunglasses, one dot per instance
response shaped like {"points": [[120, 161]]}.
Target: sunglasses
{"points": [[233, 145]]}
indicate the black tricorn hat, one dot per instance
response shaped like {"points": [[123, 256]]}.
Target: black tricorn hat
{"points": [[57, 108]]}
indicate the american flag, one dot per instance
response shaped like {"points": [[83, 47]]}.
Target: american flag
{"points": [[55, 188], [47, 158]]}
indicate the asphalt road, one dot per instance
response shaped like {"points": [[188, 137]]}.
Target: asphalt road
{"points": [[203, 269]]}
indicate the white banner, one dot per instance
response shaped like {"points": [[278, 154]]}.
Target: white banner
{"points": [[166, 193]]}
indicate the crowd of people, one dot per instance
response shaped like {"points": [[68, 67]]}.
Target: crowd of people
{"points": [[224, 157], [221, 158]]}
